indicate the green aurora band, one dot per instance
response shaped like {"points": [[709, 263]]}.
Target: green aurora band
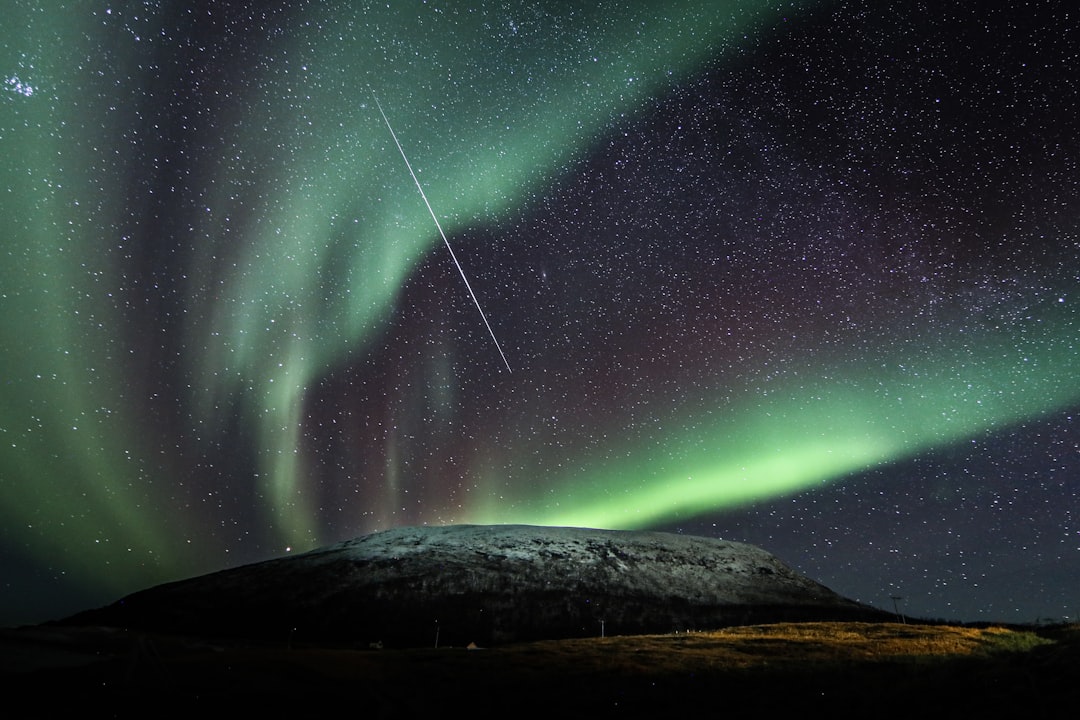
{"points": [[853, 418], [298, 244], [287, 324], [301, 242]]}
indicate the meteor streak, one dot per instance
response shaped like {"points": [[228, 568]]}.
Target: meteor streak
{"points": [[441, 233]]}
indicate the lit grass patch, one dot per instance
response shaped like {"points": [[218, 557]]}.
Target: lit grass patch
{"points": [[788, 645]]}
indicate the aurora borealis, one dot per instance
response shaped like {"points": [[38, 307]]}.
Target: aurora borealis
{"points": [[804, 275]]}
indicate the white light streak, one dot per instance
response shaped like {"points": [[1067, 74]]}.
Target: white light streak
{"points": [[441, 233]]}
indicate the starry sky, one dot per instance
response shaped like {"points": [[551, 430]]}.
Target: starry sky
{"points": [[800, 274]]}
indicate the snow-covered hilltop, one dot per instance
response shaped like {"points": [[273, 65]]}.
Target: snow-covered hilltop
{"points": [[486, 584]]}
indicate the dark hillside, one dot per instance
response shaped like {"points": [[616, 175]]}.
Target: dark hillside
{"points": [[415, 587]]}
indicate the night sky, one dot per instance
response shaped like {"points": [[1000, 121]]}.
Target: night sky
{"points": [[805, 275]]}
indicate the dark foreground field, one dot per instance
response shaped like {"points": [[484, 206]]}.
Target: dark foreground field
{"points": [[846, 669]]}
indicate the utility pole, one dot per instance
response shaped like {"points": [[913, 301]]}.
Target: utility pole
{"points": [[896, 609]]}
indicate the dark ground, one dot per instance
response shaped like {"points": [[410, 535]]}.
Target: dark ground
{"points": [[845, 669]]}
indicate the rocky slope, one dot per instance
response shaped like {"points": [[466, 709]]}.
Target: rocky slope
{"points": [[485, 584]]}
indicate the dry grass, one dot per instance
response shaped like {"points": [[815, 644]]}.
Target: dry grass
{"points": [[794, 644], [847, 667], [775, 647]]}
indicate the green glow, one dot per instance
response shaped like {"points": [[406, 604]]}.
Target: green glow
{"points": [[301, 226], [800, 436], [76, 472], [332, 248]]}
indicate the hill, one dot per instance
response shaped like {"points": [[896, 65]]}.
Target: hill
{"points": [[422, 586]]}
